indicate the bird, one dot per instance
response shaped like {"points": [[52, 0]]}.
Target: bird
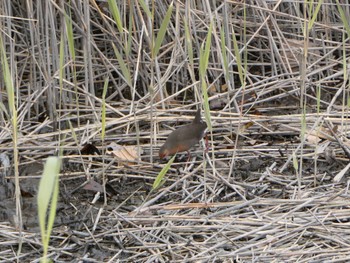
{"points": [[184, 138]]}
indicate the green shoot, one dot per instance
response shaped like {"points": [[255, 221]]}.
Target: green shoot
{"points": [[160, 176], [162, 31], [145, 8], [105, 87], [203, 65], [123, 66], [47, 200], [314, 15], [116, 14]]}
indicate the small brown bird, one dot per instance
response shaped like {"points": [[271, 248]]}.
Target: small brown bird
{"points": [[185, 137]]}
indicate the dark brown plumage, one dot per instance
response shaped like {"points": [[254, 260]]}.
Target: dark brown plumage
{"points": [[185, 137]]}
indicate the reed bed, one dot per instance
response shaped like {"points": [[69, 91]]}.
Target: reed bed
{"points": [[273, 185]]}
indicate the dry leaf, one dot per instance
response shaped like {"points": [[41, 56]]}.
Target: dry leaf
{"points": [[124, 154], [315, 136], [324, 133], [340, 175], [320, 148], [312, 139]]}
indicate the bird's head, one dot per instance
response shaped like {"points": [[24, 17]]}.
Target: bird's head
{"points": [[163, 152]]}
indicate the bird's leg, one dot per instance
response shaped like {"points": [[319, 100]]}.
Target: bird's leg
{"points": [[189, 156], [206, 143]]}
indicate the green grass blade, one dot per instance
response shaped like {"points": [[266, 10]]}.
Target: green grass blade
{"points": [[130, 28], [3, 109], [314, 15], [223, 51], [238, 57], [201, 62], [54, 199], [70, 35], [146, 9], [123, 66], [162, 30], [295, 162], [245, 55], [74, 135], [318, 96], [8, 81], [343, 18], [311, 3], [203, 65], [204, 54], [48, 191], [71, 48], [206, 104], [160, 176], [61, 69], [105, 86], [189, 43], [116, 14], [189, 46], [207, 47], [7, 77]]}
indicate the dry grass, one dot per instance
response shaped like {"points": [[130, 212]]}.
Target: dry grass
{"points": [[247, 199]]}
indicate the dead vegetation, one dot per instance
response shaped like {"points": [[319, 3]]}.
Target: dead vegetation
{"points": [[273, 186]]}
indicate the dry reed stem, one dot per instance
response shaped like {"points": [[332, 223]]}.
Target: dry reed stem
{"points": [[239, 202]]}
